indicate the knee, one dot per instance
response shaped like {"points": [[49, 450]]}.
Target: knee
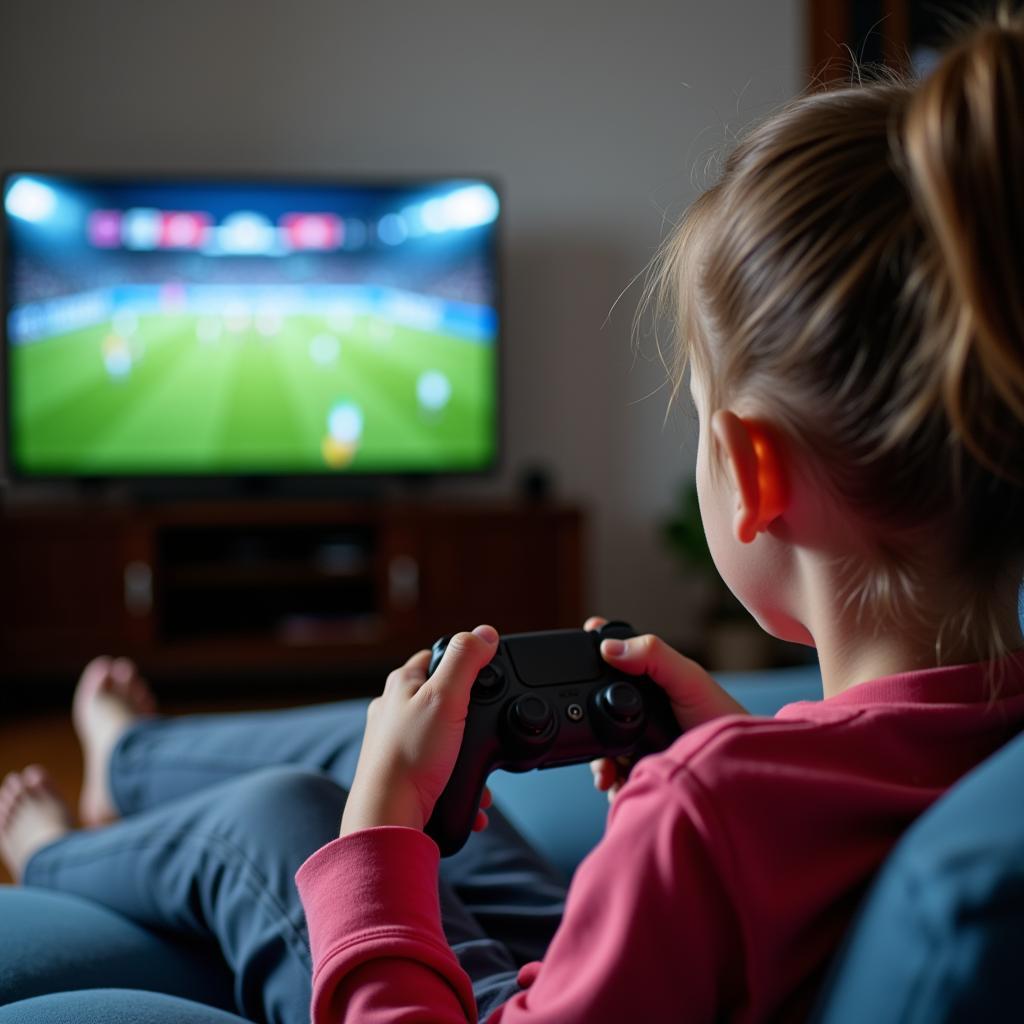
{"points": [[292, 799], [288, 786]]}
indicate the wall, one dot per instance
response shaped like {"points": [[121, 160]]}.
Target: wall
{"points": [[596, 116]]}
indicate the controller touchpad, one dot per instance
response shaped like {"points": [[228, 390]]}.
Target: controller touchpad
{"points": [[567, 657]]}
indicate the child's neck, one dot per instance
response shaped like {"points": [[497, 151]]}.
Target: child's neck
{"points": [[853, 648]]}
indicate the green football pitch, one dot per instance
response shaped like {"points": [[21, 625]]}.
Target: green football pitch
{"points": [[191, 394]]}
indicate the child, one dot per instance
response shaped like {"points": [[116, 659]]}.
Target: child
{"points": [[848, 305]]}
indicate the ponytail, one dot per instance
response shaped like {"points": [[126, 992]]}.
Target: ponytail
{"points": [[963, 139]]}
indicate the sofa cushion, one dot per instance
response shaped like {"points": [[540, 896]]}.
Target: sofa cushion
{"points": [[113, 1006], [940, 935]]}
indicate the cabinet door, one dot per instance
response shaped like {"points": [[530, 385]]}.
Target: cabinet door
{"points": [[63, 592], [516, 571]]}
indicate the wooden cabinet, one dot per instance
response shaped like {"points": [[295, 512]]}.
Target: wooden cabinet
{"points": [[61, 580], [236, 586]]}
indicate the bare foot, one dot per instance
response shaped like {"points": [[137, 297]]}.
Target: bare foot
{"points": [[110, 697], [32, 815]]}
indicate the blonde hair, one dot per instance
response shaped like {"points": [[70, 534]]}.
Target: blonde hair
{"points": [[857, 270]]}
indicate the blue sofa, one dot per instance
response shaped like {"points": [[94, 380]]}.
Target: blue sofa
{"points": [[938, 938]]}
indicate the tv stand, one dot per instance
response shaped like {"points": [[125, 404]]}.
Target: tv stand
{"points": [[237, 586]]}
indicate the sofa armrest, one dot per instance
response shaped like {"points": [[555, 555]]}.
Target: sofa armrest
{"points": [[764, 692]]}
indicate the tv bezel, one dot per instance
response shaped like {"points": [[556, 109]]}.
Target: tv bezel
{"points": [[218, 484]]}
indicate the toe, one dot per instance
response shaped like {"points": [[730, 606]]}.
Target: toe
{"points": [[37, 779], [7, 790], [95, 679], [138, 694], [13, 786], [95, 671], [39, 784], [124, 673], [11, 791]]}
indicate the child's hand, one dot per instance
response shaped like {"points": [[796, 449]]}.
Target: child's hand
{"points": [[413, 734], [695, 697]]}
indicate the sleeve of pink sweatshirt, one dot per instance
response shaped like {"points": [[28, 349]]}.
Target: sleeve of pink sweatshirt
{"points": [[648, 931]]}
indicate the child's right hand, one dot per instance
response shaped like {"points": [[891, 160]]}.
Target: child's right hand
{"points": [[695, 697]]}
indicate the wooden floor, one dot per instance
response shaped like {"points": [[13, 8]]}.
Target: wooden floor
{"points": [[47, 738]]}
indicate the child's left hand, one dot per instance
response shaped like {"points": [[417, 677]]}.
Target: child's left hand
{"points": [[413, 734]]}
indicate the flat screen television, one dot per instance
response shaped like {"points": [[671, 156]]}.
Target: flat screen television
{"points": [[204, 327]]}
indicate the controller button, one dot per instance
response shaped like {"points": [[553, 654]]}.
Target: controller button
{"points": [[622, 701], [531, 715], [488, 683], [574, 712]]}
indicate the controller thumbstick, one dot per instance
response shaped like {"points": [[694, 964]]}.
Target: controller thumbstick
{"points": [[622, 703], [531, 717]]}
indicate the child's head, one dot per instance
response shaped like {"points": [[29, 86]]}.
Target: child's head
{"points": [[856, 281]]}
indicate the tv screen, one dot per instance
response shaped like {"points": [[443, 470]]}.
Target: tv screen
{"points": [[208, 327]]}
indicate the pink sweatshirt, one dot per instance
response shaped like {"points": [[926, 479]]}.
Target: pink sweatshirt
{"points": [[731, 866]]}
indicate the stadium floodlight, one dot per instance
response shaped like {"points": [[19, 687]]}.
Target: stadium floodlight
{"points": [[30, 200], [468, 207], [471, 206], [435, 215]]}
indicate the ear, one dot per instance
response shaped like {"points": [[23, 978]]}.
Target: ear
{"points": [[753, 456]]}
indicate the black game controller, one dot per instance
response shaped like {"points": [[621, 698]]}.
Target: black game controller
{"points": [[544, 700]]}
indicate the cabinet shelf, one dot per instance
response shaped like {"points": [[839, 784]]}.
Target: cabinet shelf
{"points": [[235, 587], [269, 574]]}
